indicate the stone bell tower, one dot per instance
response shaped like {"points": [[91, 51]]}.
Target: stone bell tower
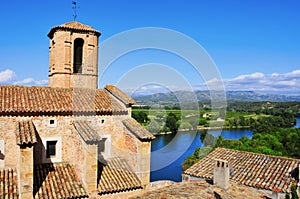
{"points": [[73, 56]]}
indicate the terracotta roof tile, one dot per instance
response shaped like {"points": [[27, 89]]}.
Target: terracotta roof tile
{"points": [[87, 133], [25, 132], [117, 176], [57, 180], [33, 100], [126, 99], [252, 169], [75, 26], [8, 184], [202, 189], [138, 130]]}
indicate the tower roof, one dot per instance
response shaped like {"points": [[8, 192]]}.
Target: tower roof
{"points": [[73, 26]]}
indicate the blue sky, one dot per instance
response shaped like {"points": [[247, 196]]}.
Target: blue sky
{"points": [[255, 44]]}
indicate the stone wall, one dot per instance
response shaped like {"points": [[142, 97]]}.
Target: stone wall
{"points": [[11, 153], [71, 148], [61, 72]]}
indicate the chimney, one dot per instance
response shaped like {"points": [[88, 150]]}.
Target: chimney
{"points": [[221, 174], [276, 193]]}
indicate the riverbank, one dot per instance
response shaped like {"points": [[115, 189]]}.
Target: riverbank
{"points": [[222, 127], [163, 133]]}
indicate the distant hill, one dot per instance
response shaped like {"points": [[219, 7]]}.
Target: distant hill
{"points": [[204, 96]]}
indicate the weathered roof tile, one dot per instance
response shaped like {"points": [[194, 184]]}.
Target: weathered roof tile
{"points": [[87, 133], [202, 189], [126, 99], [117, 176], [8, 184], [252, 169], [25, 132], [138, 130], [34, 100], [73, 25], [57, 180]]}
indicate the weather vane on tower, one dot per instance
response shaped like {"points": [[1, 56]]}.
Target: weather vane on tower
{"points": [[74, 7]]}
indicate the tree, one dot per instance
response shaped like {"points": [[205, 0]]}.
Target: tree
{"points": [[294, 192], [141, 117], [171, 122]]}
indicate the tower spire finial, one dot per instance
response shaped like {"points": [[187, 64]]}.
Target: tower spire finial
{"points": [[74, 7]]}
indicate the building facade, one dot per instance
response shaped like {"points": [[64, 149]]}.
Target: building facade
{"points": [[71, 139]]}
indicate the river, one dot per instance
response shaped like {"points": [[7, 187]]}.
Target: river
{"points": [[169, 151]]}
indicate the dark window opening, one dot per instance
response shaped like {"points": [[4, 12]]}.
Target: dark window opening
{"points": [[51, 121], [102, 121], [78, 49], [51, 149]]}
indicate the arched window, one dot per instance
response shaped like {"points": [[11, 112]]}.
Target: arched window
{"points": [[77, 62]]}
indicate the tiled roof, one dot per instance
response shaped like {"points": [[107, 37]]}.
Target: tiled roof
{"points": [[74, 25], [25, 132], [34, 100], [126, 99], [8, 184], [117, 176], [251, 169], [202, 189], [57, 180], [138, 130], [85, 130]]}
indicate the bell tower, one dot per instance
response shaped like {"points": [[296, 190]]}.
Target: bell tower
{"points": [[73, 56]]}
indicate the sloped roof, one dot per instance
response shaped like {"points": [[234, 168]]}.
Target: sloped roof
{"points": [[34, 100], [202, 189], [251, 169], [57, 180], [126, 99], [25, 132], [8, 184], [73, 26], [117, 176], [87, 133], [138, 130]]}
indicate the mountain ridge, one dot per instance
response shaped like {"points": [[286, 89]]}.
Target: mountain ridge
{"points": [[204, 96]]}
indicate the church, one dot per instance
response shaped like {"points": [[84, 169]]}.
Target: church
{"points": [[71, 139]]}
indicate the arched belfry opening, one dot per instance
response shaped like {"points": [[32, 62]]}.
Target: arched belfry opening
{"points": [[73, 56], [78, 54]]}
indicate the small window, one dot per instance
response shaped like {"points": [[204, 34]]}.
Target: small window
{"points": [[102, 121], [51, 148], [52, 122]]}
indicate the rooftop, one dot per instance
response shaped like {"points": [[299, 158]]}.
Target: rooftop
{"points": [[86, 131], [35, 100], [8, 184], [117, 176], [73, 26], [139, 131], [251, 169], [25, 132], [202, 189], [57, 180]]}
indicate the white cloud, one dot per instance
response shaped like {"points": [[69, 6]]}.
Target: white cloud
{"points": [[249, 77], [30, 81], [288, 83], [9, 77], [275, 82], [6, 76]]}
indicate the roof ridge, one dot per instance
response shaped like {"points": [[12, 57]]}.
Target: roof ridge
{"points": [[260, 154], [73, 25]]}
